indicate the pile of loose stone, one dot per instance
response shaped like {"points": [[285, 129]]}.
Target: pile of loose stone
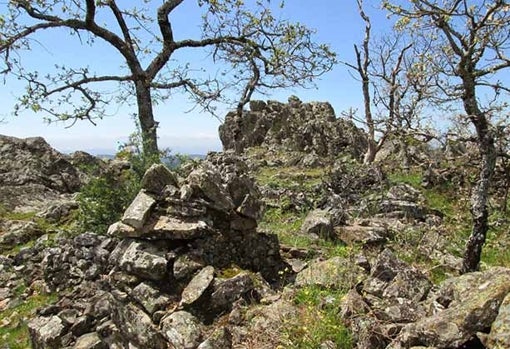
{"points": [[187, 268], [185, 252], [396, 307]]}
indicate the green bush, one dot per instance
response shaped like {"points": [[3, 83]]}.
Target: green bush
{"points": [[103, 200]]}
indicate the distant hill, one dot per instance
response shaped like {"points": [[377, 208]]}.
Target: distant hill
{"points": [[172, 161]]}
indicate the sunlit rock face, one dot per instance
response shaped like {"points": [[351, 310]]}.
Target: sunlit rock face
{"points": [[31, 172], [295, 126]]}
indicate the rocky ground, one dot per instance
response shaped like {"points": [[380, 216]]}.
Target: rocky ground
{"points": [[282, 241]]}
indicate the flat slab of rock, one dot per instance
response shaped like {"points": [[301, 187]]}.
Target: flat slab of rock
{"points": [[164, 228], [122, 230], [143, 260], [157, 177], [210, 184], [220, 339], [151, 299], [46, 332], [357, 234], [499, 337], [137, 327], [226, 292], [404, 192], [392, 278], [176, 229], [185, 266], [403, 209], [409, 284], [250, 207], [387, 266], [182, 330], [137, 213], [319, 223], [90, 341], [197, 286]]}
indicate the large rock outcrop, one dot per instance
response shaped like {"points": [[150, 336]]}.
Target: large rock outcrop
{"points": [[32, 172], [296, 126]]}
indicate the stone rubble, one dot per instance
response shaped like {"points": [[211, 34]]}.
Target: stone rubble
{"points": [[186, 266], [157, 280]]}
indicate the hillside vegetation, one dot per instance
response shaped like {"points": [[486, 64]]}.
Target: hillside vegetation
{"points": [[287, 244]]}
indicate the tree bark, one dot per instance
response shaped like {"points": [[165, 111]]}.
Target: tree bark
{"points": [[148, 126], [370, 153], [479, 201], [480, 194], [372, 146]]}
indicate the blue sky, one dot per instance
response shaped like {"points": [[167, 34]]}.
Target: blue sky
{"points": [[337, 23]]}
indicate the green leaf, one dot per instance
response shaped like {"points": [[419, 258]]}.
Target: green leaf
{"points": [[35, 107]]}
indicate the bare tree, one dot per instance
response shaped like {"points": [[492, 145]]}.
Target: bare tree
{"points": [[235, 33], [393, 87], [471, 42]]}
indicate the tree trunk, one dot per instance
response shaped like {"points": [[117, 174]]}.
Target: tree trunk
{"points": [[370, 153], [148, 126], [479, 201], [372, 145], [480, 194]]}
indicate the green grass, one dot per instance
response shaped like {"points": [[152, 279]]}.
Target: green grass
{"points": [[441, 198], [454, 204], [15, 338], [440, 201], [281, 222], [438, 274], [290, 177], [412, 178], [287, 225], [494, 256], [18, 216], [496, 251], [318, 320], [15, 335], [281, 218], [19, 290]]}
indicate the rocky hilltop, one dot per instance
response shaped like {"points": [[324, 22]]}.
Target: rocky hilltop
{"points": [[310, 128], [31, 171], [260, 246]]}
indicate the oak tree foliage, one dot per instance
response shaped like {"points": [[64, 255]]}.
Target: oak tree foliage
{"points": [[253, 50]]}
